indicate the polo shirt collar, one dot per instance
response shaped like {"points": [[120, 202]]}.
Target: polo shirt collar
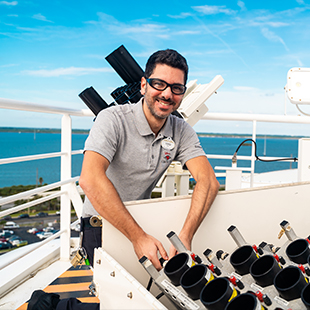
{"points": [[143, 125], [140, 119]]}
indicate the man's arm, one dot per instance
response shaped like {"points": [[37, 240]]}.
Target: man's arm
{"points": [[205, 191], [105, 199]]}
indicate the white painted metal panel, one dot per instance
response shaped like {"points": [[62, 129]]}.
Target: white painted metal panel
{"points": [[257, 213]]}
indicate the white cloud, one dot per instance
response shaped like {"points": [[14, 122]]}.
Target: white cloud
{"points": [[213, 9], [144, 33], [241, 5], [8, 65], [146, 28], [12, 3], [181, 16], [300, 1], [41, 17], [256, 23], [187, 32], [271, 36], [71, 71]]}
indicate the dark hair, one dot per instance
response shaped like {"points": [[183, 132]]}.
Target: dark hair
{"points": [[168, 57]]}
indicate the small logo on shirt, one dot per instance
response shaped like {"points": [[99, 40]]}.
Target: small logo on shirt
{"points": [[167, 155]]}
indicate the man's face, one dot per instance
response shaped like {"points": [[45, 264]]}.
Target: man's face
{"points": [[162, 103]]}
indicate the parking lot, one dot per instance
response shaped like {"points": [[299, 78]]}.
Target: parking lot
{"points": [[37, 222]]}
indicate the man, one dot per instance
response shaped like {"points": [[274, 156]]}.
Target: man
{"points": [[126, 153], [131, 146]]}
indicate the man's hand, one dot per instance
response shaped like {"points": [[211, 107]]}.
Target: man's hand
{"points": [[146, 245], [185, 240]]}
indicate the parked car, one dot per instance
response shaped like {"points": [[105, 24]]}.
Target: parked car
{"points": [[7, 218], [24, 215], [5, 245], [13, 238], [6, 234], [32, 230], [77, 227], [16, 241], [10, 225], [41, 214], [45, 234], [49, 228], [37, 231], [22, 242]]}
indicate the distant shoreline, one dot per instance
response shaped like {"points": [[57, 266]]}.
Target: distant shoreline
{"points": [[41, 130], [200, 134]]}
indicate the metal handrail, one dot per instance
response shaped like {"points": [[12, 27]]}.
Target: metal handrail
{"points": [[35, 191], [18, 159], [36, 246], [297, 119], [34, 107], [31, 203]]}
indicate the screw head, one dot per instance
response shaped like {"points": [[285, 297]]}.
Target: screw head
{"points": [[129, 295]]}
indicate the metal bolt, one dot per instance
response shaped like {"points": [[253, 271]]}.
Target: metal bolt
{"points": [[112, 274], [129, 295], [98, 261]]}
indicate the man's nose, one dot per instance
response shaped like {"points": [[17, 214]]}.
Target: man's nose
{"points": [[167, 93]]}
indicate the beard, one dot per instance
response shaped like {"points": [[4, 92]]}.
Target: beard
{"points": [[151, 108]]}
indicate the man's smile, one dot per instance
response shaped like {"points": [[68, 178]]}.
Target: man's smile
{"points": [[165, 102]]}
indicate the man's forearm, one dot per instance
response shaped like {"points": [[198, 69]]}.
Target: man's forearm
{"points": [[202, 199], [108, 204], [205, 191], [104, 197]]}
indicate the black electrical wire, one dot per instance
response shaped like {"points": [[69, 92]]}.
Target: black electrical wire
{"points": [[264, 160]]}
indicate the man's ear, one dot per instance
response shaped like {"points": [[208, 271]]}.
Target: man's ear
{"points": [[143, 85]]}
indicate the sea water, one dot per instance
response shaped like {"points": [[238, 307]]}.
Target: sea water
{"points": [[14, 144]]}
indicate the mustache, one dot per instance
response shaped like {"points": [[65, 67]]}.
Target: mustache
{"points": [[165, 100]]}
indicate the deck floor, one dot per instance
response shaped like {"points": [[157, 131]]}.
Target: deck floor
{"points": [[72, 283]]}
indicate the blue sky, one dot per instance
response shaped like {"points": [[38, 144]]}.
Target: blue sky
{"points": [[52, 50]]}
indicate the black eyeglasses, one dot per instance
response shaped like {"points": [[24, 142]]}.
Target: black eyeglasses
{"points": [[158, 84]]}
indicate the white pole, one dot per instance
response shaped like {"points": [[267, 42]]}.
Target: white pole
{"points": [[65, 203], [253, 153]]}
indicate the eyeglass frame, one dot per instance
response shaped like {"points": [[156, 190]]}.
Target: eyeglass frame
{"points": [[167, 85]]}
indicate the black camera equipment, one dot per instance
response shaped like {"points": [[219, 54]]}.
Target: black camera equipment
{"points": [[130, 72]]}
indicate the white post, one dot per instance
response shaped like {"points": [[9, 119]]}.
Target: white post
{"points": [[168, 185], [182, 183], [181, 179], [253, 153], [233, 179], [303, 160], [65, 203]]}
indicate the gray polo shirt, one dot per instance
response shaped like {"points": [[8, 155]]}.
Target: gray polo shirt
{"points": [[137, 158]]}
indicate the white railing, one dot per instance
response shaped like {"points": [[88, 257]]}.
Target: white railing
{"points": [[69, 192], [254, 118]]}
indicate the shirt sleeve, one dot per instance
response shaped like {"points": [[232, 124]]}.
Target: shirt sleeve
{"points": [[104, 135], [189, 146]]}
